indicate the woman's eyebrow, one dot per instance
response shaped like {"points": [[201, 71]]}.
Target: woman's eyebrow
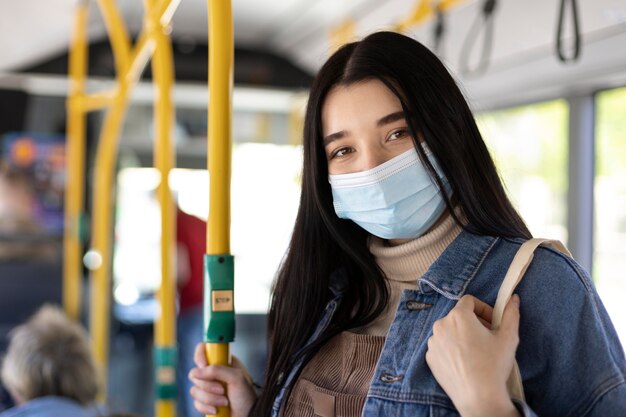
{"points": [[390, 118], [333, 137]]}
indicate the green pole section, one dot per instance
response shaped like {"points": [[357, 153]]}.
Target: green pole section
{"points": [[219, 308], [165, 359]]}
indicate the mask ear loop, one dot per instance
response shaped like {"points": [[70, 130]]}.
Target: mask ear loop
{"points": [[425, 153]]}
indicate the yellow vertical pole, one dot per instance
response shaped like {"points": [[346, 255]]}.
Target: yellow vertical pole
{"points": [[129, 63], [104, 172], [74, 195], [118, 35], [221, 51], [102, 226], [221, 60], [165, 325]]}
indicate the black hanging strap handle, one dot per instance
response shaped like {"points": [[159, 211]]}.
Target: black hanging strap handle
{"points": [[559, 33], [486, 16]]}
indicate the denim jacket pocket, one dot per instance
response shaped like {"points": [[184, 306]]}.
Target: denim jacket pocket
{"points": [[416, 406]]}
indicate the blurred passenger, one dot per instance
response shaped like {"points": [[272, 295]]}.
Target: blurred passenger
{"points": [[18, 228], [48, 368], [17, 194], [191, 247]]}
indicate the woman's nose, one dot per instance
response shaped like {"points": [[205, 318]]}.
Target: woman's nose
{"points": [[371, 158]]}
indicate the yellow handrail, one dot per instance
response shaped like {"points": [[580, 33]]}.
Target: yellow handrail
{"points": [[165, 325], [74, 195], [219, 120], [140, 56], [221, 61], [96, 101], [130, 61], [104, 170], [118, 35]]}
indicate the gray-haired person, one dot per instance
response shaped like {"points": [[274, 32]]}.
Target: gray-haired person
{"points": [[48, 368]]}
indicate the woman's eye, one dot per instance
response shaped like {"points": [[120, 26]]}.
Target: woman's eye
{"points": [[398, 134], [340, 152]]}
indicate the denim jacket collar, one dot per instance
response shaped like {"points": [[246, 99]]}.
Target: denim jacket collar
{"points": [[451, 273]]}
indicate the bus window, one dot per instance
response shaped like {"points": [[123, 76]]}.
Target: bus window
{"points": [[609, 257], [529, 145], [264, 201]]}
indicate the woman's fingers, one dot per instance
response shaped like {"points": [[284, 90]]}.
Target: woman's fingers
{"points": [[208, 398], [485, 323], [510, 319], [221, 373], [210, 407], [482, 310], [219, 385], [199, 356], [210, 386], [204, 409]]}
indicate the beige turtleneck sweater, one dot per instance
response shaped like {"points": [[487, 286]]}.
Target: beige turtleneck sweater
{"points": [[404, 264], [336, 380]]}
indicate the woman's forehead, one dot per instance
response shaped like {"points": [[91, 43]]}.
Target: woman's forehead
{"points": [[363, 101]]}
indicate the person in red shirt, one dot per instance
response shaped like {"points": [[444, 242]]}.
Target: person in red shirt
{"points": [[190, 249]]}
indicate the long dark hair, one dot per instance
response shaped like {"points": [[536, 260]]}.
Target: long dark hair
{"points": [[437, 113]]}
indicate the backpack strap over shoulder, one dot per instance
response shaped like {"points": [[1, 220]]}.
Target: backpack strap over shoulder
{"points": [[521, 261]]}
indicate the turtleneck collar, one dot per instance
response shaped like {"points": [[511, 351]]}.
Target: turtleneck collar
{"points": [[410, 260]]}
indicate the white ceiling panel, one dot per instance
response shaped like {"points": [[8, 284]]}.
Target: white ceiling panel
{"points": [[524, 37]]}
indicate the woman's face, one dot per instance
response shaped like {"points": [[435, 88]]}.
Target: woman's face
{"points": [[363, 126]]}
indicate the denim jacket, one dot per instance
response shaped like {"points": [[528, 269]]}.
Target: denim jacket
{"points": [[570, 358]]}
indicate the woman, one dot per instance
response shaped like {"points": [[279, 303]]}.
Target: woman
{"points": [[403, 236]]}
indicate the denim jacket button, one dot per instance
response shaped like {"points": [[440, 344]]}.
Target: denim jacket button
{"points": [[416, 305], [390, 378]]}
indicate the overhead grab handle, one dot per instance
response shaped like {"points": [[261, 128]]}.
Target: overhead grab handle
{"points": [[485, 17], [439, 30], [559, 33]]}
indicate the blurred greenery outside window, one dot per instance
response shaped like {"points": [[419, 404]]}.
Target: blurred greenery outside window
{"points": [[529, 146], [609, 257]]}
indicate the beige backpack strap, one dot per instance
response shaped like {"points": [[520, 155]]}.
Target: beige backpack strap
{"points": [[521, 261]]}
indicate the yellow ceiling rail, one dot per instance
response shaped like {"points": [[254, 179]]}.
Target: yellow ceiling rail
{"points": [[342, 34], [130, 61], [424, 10]]}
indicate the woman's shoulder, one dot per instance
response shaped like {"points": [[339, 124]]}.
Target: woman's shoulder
{"points": [[565, 333], [551, 268]]}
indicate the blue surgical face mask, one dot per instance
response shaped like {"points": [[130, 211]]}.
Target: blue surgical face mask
{"points": [[395, 200]]}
